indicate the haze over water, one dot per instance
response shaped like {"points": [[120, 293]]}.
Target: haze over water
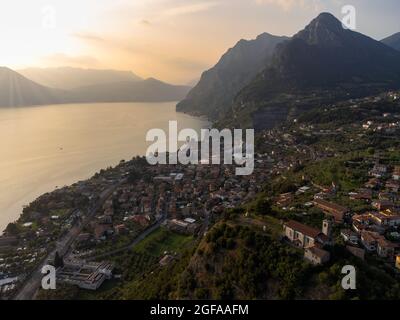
{"points": [[46, 147]]}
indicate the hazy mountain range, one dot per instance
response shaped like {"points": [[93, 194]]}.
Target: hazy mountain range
{"points": [[16, 90], [37, 86], [70, 78], [322, 63]]}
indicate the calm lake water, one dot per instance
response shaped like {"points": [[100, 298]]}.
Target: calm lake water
{"points": [[51, 146]]}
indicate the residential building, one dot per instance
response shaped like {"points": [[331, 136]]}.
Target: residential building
{"points": [[385, 248], [349, 236], [370, 240], [316, 255], [333, 209]]}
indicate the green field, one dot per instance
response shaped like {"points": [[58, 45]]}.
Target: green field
{"points": [[163, 240]]}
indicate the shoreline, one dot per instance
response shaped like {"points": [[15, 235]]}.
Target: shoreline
{"points": [[94, 160]]}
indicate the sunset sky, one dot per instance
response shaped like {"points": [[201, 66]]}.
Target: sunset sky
{"points": [[173, 40]]}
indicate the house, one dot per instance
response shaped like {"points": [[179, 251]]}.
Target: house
{"points": [[349, 236], [372, 183], [393, 185], [316, 255], [362, 194], [396, 173], [166, 260], [385, 220], [144, 221], [370, 240], [333, 209], [285, 199], [120, 229], [304, 236], [385, 248], [383, 205], [101, 230], [357, 252], [378, 171]]}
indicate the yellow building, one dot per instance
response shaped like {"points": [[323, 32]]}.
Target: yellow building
{"points": [[398, 261]]}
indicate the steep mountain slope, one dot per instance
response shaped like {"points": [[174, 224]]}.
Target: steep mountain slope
{"points": [[70, 78], [149, 90], [214, 93], [16, 90], [393, 41], [321, 63]]}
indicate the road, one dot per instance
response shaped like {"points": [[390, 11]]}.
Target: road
{"points": [[33, 282]]}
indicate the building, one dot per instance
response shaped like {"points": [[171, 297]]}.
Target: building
{"points": [[385, 220], [383, 205], [333, 209], [88, 276], [349, 236], [378, 171], [284, 199], [396, 173], [166, 260], [385, 249], [370, 240], [304, 236], [357, 252], [398, 261], [327, 226], [316, 256]]}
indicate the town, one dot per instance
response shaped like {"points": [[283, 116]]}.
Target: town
{"points": [[82, 227]]}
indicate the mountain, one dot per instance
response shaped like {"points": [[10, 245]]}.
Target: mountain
{"points": [[215, 92], [69, 78], [16, 90], [393, 41], [320, 64], [149, 90]]}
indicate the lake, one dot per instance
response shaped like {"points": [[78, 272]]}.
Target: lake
{"points": [[45, 147]]}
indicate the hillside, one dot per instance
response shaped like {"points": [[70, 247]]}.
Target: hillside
{"points": [[321, 64], [393, 41], [215, 92]]}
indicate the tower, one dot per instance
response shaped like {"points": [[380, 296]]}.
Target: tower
{"points": [[327, 226]]}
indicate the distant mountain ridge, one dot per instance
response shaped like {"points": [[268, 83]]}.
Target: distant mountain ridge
{"points": [[67, 78], [393, 41], [217, 88], [149, 90], [17, 90]]}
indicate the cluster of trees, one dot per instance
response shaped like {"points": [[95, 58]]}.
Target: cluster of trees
{"points": [[257, 265]]}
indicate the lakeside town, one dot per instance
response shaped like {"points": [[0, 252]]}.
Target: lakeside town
{"points": [[80, 228]]}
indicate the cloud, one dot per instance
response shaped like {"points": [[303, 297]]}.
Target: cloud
{"points": [[61, 59], [189, 9], [88, 36], [291, 4], [145, 22]]}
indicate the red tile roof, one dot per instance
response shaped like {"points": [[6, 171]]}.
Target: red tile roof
{"points": [[302, 228]]}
